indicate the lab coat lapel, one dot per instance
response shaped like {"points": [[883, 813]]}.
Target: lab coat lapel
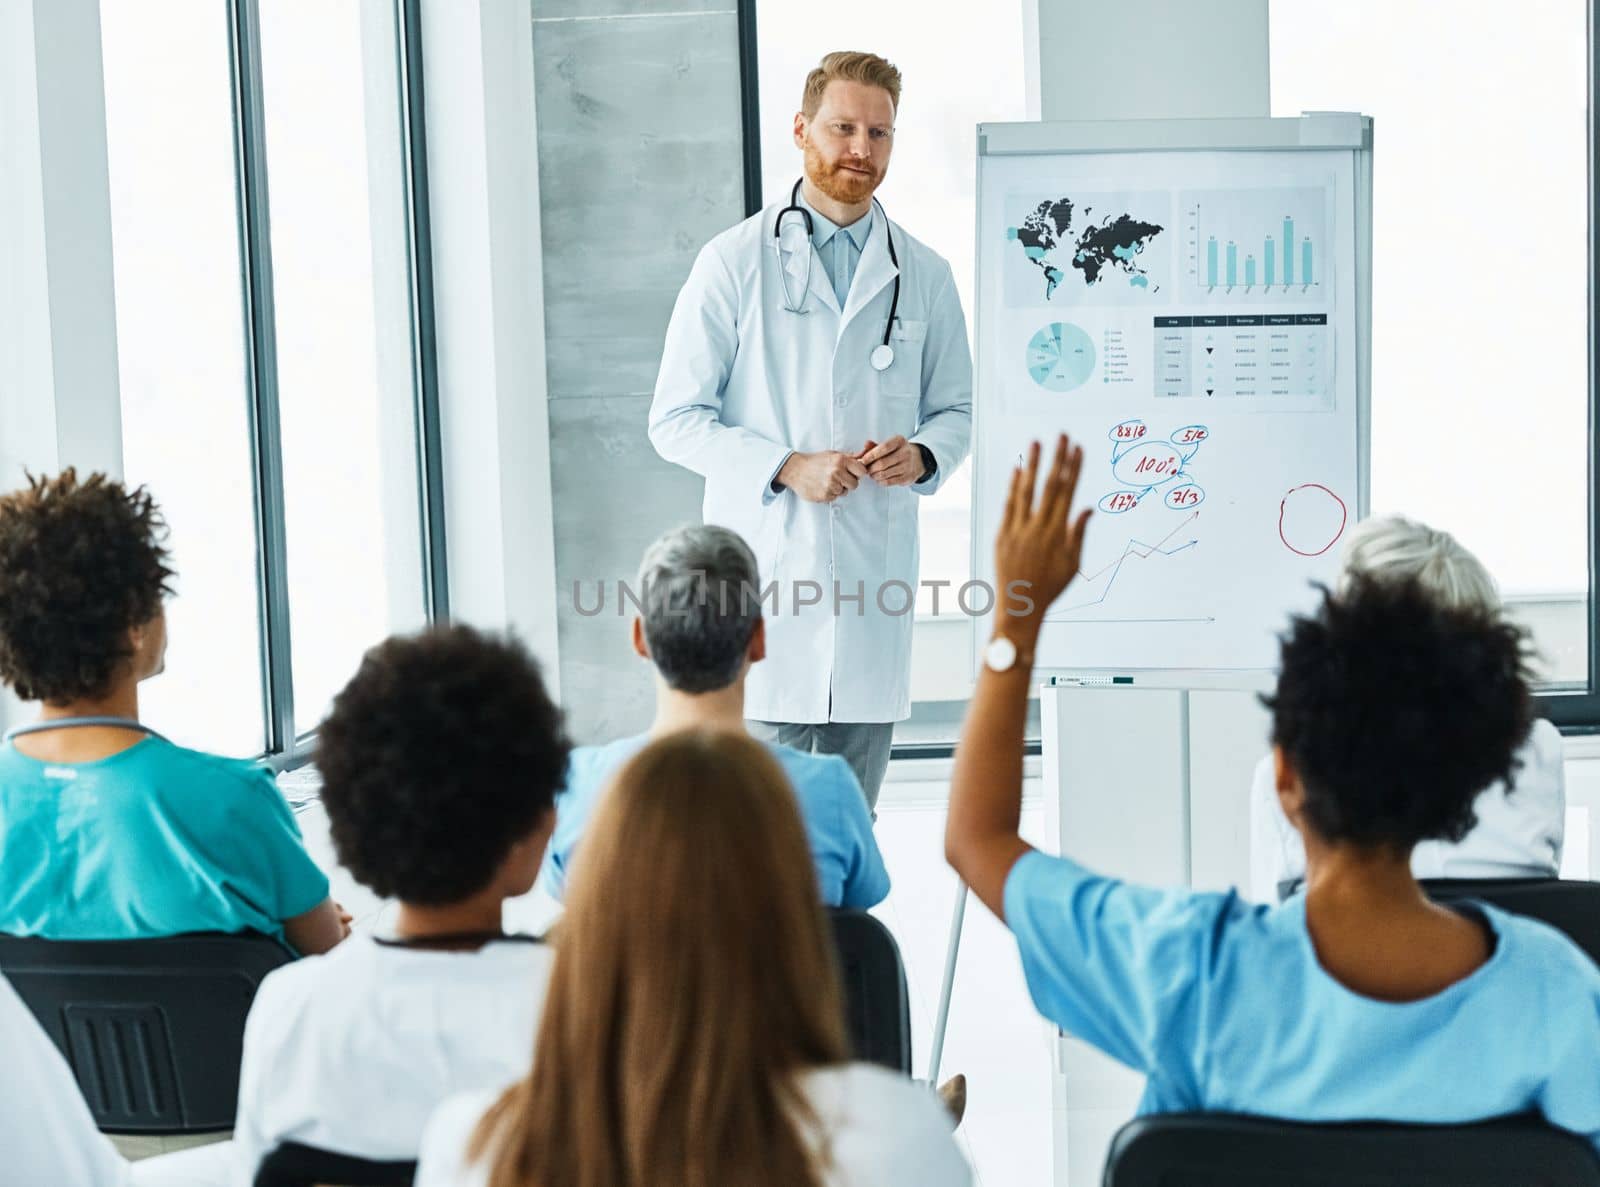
{"points": [[874, 272], [794, 265]]}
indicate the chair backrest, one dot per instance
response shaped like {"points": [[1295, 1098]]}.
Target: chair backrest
{"points": [[1220, 1150], [295, 1165], [877, 1004], [153, 1029], [1571, 907]]}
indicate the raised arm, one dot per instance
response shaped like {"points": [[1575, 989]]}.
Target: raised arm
{"points": [[1037, 551]]}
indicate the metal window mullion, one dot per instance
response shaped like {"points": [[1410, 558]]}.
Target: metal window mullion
{"points": [[424, 353], [261, 347], [750, 105], [1593, 697], [1579, 712]]}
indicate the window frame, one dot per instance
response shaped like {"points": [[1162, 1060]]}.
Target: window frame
{"points": [[287, 745], [750, 106], [1574, 711], [1578, 711]]}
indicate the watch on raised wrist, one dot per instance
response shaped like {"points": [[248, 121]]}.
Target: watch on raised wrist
{"points": [[1002, 654]]}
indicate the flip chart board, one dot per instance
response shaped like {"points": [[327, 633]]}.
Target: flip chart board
{"points": [[1188, 299]]}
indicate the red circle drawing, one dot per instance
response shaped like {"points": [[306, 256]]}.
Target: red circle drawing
{"points": [[1317, 518]]}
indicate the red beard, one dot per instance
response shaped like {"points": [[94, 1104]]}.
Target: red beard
{"points": [[837, 182]]}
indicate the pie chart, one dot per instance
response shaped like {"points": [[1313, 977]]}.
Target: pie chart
{"points": [[1060, 357]]}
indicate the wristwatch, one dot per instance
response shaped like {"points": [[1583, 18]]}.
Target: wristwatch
{"points": [[1001, 655], [930, 465]]}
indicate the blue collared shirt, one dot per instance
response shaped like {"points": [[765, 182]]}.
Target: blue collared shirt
{"points": [[840, 253], [850, 869]]}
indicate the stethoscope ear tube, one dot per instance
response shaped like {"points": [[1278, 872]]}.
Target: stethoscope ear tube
{"points": [[882, 356]]}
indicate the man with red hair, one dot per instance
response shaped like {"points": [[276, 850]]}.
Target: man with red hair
{"points": [[816, 373]]}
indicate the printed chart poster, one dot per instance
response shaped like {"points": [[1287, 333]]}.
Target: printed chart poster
{"points": [[1193, 326], [1089, 248]]}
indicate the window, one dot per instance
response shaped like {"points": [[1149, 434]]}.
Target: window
{"points": [[336, 190], [272, 309], [962, 66], [1482, 405], [181, 353]]}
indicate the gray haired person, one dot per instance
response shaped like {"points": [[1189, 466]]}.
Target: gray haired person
{"points": [[1521, 828], [701, 628]]}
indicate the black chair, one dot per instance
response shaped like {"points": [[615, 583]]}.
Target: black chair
{"points": [[294, 1165], [1569, 906], [1220, 1150], [877, 1005], [152, 1029]]}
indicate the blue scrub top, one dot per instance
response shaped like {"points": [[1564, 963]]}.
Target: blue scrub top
{"points": [[850, 870], [151, 841], [1225, 1007]]}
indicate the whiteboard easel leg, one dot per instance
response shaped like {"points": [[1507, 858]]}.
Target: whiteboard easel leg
{"points": [[942, 1019]]}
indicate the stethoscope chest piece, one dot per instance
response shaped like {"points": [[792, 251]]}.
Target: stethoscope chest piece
{"points": [[882, 357]]}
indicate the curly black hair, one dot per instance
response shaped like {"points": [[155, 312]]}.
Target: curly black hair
{"points": [[442, 752], [1396, 712], [81, 565]]}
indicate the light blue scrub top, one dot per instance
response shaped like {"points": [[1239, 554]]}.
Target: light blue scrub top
{"points": [[850, 870], [1225, 1007], [151, 841]]}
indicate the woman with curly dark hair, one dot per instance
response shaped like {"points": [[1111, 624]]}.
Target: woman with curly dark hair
{"points": [[107, 830], [1361, 999], [440, 765]]}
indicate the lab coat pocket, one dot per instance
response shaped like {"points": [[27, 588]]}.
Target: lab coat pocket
{"points": [[903, 377]]}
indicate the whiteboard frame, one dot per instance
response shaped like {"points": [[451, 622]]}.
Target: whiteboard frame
{"points": [[1318, 131]]}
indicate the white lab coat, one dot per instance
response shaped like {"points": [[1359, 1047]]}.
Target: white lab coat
{"points": [[1520, 832], [744, 381]]}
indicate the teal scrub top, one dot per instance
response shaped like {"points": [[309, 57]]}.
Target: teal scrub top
{"points": [[833, 808], [151, 841], [1225, 1007]]}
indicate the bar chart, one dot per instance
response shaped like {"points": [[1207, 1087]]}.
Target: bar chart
{"points": [[1264, 244]]}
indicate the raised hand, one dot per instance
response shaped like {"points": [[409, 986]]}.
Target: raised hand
{"points": [[1038, 546]]}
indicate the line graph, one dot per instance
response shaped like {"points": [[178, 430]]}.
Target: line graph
{"points": [[1133, 550]]}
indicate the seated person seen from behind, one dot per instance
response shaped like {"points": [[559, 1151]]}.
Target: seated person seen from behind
{"points": [[1359, 999], [701, 627], [1520, 825], [440, 761], [107, 830], [694, 1028]]}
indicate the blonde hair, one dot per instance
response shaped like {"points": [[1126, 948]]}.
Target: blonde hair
{"points": [[1393, 548], [849, 66], [694, 978]]}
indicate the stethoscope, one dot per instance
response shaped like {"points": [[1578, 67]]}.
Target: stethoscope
{"points": [[67, 723], [882, 356]]}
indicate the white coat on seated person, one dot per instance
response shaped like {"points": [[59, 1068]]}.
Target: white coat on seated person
{"points": [[1519, 834], [744, 382]]}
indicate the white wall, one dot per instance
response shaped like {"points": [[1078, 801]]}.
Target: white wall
{"points": [[1152, 59], [58, 333], [483, 177], [59, 401]]}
